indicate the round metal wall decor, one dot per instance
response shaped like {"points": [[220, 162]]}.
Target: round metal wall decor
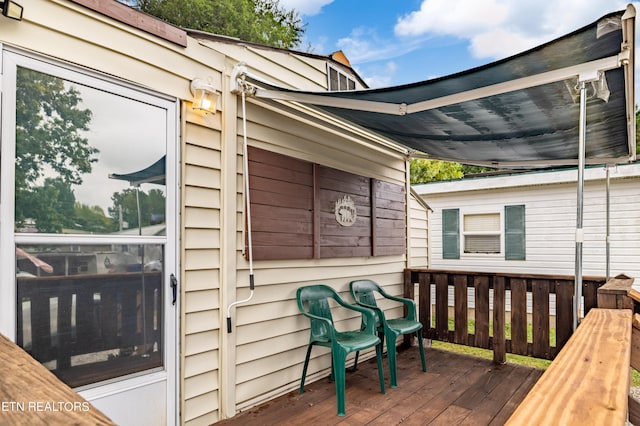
{"points": [[345, 211]]}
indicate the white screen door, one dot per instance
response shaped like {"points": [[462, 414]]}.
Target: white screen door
{"points": [[88, 231]]}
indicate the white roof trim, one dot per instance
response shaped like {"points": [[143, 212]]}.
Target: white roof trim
{"points": [[570, 176]]}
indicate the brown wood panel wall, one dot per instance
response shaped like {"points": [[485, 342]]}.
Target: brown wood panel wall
{"points": [[292, 211], [281, 206], [337, 240], [390, 218]]}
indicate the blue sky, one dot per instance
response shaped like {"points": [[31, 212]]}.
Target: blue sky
{"points": [[391, 42]]}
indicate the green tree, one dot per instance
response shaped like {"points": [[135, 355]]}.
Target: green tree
{"points": [[49, 205], [125, 203], [637, 130], [423, 170], [467, 169], [259, 21], [92, 219], [51, 153]]}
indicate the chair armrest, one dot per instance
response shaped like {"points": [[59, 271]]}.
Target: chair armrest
{"points": [[411, 304], [379, 312], [370, 323]]}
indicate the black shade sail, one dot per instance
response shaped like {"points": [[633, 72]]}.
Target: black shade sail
{"points": [[522, 111], [155, 173]]}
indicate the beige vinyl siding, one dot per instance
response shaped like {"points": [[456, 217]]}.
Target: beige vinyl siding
{"points": [[279, 67], [271, 334], [418, 233], [73, 33], [275, 335], [201, 253], [273, 132], [93, 40], [264, 354]]}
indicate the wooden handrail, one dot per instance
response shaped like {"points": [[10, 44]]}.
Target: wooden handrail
{"points": [[588, 382], [30, 394]]}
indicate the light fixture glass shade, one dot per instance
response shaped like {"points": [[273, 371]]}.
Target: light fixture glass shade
{"points": [[12, 10], [205, 96]]}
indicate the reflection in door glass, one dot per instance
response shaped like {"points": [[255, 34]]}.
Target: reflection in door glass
{"points": [[87, 161], [91, 313], [90, 162]]}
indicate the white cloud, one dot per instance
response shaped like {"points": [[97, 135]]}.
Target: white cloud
{"points": [[440, 17], [305, 7], [364, 45], [380, 77], [500, 28], [491, 44]]}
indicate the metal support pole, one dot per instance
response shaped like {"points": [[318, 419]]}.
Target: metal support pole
{"points": [[577, 299], [608, 243]]}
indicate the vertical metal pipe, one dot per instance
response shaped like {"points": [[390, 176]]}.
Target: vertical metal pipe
{"points": [[579, 214], [608, 243], [245, 172]]}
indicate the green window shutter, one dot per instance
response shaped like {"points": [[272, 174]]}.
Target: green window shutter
{"points": [[451, 234], [514, 237]]}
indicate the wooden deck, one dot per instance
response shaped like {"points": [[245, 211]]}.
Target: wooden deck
{"points": [[31, 395], [455, 390]]}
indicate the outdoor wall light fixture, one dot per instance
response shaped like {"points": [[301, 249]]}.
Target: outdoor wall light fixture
{"points": [[11, 9], [205, 96]]}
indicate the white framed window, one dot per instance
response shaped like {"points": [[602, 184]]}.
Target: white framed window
{"points": [[481, 233], [339, 81]]}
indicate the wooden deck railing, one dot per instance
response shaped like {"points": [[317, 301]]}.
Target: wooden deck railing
{"points": [[497, 303], [588, 382], [108, 321]]}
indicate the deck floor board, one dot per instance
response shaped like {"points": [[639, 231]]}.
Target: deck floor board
{"points": [[456, 389]]}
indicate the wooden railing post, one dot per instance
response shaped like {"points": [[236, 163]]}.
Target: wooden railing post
{"points": [[424, 299], [499, 308], [618, 294], [409, 293], [614, 294]]}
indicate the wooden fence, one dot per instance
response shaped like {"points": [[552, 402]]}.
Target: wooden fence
{"points": [[590, 377], [538, 305], [64, 318]]}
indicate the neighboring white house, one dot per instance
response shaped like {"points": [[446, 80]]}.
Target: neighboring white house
{"points": [[526, 222]]}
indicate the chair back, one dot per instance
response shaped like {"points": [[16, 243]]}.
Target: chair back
{"points": [[363, 291], [314, 300]]}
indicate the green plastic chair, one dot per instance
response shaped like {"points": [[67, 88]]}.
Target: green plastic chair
{"points": [[363, 292], [313, 302]]}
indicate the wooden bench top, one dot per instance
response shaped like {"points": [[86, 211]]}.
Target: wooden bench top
{"points": [[30, 394], [588, 382]]}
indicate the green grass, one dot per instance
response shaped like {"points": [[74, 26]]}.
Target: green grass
{"points": [[511, 358], [507, 329], [488, 354]]}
